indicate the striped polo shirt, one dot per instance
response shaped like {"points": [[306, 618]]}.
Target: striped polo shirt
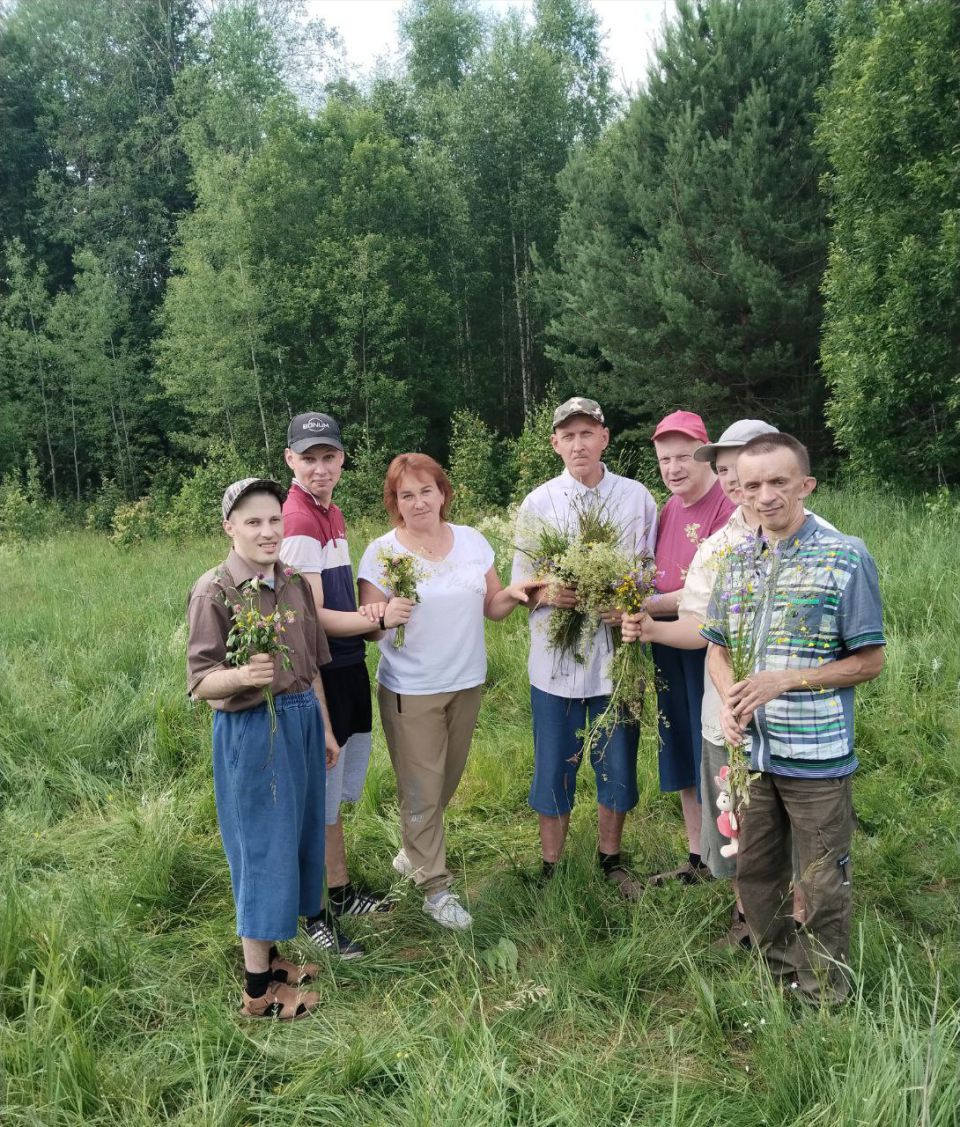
{"points": [[811, 599], [315, 540]]}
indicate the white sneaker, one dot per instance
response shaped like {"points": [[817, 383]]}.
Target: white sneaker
{"points": [[402, 864], [447, 910]]}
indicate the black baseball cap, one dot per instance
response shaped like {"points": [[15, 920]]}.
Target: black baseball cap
{"points": [[313, 429]]}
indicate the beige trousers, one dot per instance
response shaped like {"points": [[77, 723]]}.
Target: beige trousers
{"points": [[428, 738]]}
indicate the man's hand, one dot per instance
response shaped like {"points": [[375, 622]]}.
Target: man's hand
{"points": [[745, 697], [733, 731], [563, 597], [611, 617], [258, 672], [333, 750], [636, 627]]}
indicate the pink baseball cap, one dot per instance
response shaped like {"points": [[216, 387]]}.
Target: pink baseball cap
{"points": [[682, 422]]}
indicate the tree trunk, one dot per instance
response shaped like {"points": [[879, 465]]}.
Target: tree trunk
{"points": [[253, 362], [46, 409], [123, 420]]}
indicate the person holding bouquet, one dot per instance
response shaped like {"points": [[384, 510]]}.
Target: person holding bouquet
{"points": [[571, 685], [430, 676], [254, 653]]}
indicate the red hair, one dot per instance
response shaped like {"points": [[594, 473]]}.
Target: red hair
{"points": [[420, 465]]}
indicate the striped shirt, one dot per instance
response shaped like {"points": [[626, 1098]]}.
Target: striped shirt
{"points": [[813, 599], [315, 542]]}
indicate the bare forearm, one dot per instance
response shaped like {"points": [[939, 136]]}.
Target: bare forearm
{"points": [[220, 684], [720, 669], [684, 634], [322, 698], [861, 666], [662, 605], [345, 623], [500, 605]]}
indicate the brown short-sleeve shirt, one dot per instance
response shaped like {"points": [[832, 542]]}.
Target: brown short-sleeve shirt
{"points": [[209, 618]]}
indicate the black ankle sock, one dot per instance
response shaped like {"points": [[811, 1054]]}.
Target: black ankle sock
{"points": [[257, 982], [608, 861], [696, 861], [339, 893], [546, 869]]}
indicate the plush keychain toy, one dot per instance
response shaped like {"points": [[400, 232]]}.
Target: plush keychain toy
{"points": [[726, 821]]}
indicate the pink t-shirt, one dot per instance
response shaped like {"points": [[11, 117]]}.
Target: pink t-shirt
{"points": [[680, 531]]}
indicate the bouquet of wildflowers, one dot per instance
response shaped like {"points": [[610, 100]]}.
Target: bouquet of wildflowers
{"points": [[585, 559], [746, 586], [631, 667], [401, 573], [254, 632]]}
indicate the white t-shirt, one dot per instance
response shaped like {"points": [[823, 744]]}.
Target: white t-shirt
{"points": [[443, 649], [555, 502]]}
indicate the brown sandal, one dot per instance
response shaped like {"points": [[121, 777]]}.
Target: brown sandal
{"points": [[627, 885], [281, 1002], [295, 974]]}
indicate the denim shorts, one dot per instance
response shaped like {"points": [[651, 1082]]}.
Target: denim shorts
{"points": [[558, 750], [679, 700], [269, 788]]}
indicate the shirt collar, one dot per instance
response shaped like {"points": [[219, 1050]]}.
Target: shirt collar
{"points": [[602, 486], [241, 572], [804, 532], [307, 493]]}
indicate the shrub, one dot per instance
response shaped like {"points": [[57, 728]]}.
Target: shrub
{"points": [[195, 509], [25, 513], [476, 458], [134, 521], [360, 492], [532, 458]]}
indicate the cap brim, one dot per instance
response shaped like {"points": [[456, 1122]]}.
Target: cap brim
{"points": [[301, 445], [675, 430], [263, 485]]}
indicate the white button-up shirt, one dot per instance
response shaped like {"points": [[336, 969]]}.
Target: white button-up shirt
{"points": [[556, 502]]}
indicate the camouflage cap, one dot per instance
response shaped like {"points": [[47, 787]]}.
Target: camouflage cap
{"points": [[578, 406]]}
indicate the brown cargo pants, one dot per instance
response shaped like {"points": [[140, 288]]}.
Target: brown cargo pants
{"points": [[819, 813]]}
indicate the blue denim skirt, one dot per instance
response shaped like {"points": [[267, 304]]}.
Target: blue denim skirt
{"points": [[270, 789]]}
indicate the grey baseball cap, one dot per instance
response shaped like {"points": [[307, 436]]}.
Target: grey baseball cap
{"points": [[313, 429], [233, 493], [577, 406], [737, 434]]}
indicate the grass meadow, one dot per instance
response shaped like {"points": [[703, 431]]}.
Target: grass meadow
{"points": [[120, 970]]}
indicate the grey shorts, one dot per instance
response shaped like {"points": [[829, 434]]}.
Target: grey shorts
{"points": [[345, 781]]}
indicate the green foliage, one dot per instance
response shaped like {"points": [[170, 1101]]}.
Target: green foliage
{"points": [[693, 237], [891, 345], [134, 521], [533, 458], [195, 508], [476, 467], [25, 512], [360, 492]]}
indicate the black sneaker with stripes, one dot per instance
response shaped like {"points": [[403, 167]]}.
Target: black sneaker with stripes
{"points": [[348, 900], [323, 931]]}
